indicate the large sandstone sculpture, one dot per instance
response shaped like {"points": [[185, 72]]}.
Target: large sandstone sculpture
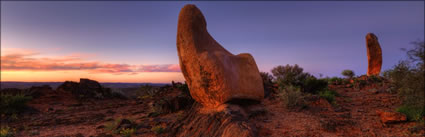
{"points": [[374, 55], [214, 75]]}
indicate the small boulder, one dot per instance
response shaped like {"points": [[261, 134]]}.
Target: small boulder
{"points": [[391, 117], [37, 91], [86, 88]]}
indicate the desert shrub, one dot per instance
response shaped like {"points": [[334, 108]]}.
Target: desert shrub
{"points": [[407, 77], [335, 80], [148, 90], [359, 83], [5, 131], [348, 73], [116, 127], [329, 95], [111, 126], [412, 113], [158, 129], [127, 132], [267, 83], [398, 73], [292, 97], [294, 76], [11, 104], [289, 75], [183, 87], [313, 85]]}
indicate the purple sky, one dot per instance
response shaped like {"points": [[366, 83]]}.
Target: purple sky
{"points": [[322, 37]]}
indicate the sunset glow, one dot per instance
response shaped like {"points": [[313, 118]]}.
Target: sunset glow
{"points": [[136, 41]]}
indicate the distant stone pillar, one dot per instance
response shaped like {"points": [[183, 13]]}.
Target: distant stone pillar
{"points": [[374, 55]]}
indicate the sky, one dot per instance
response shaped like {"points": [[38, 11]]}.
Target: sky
{"points": [[135, 41]]}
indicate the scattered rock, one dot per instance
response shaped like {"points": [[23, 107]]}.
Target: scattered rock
{"points": [[374, 55], [391, 117], [37, 91], [213, 74], [86, 89]]}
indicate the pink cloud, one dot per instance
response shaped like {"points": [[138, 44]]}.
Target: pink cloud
{"points": [[25, 61]]}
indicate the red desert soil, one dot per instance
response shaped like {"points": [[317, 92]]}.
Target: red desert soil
{"points": [[353, 114]]}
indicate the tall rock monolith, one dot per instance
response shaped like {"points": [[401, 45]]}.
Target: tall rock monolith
{"points": [[374, 55]]}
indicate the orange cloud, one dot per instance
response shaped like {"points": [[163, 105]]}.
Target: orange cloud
{"points": [[25, 60]]}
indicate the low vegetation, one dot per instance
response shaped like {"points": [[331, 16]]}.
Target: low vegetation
{"points": [[294, 85], [292, 97], [158, 129], [407, 78], [267, 83], [13, 104], [329, 95], [5, 131], [127, 132]]}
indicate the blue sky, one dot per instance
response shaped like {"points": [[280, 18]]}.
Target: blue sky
{"points": [[322, 37]]}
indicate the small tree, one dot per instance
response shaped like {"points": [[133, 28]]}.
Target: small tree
{"points": [[289, 75], [267, 83], [348, 73]]}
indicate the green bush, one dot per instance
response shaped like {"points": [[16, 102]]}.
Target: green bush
{"points": [[12, 104], [267, 82], [182, 87], [329, 95], [286, 76], [313, 85], [5, 131], [407, 77], [146, 90], [289, 75], [157, 129], [111, 126], [359, 83], [335, 81], [412, 113], [292, 97], [348, 73], [127, 132]]}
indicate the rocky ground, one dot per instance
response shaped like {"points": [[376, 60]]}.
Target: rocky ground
{"points": [[356, 112]]}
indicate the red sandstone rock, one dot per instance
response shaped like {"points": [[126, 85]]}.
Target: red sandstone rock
{"points": [[214, 75], [391, 117], [374, 55]]}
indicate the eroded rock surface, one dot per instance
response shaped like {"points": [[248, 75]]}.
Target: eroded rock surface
{"points": [[374, 55], [214, 75], [227, 120]]}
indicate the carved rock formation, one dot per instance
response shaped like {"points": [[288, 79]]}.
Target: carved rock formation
{"points": [[374, 55], [213, 74]]}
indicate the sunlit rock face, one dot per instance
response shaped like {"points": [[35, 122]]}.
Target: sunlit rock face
{"points": [[213, 74], [374, 55]]}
